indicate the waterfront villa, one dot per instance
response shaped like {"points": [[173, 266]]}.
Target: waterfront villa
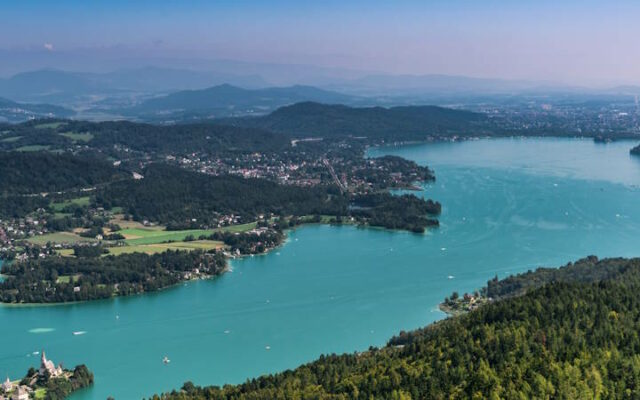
{"points": [[48, 367]]}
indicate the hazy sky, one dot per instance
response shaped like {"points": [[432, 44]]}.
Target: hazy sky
{"points": [[585, 42]]}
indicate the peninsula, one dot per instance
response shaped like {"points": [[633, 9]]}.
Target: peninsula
{"points": [[48, 382]]}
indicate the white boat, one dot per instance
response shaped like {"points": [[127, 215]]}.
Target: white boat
{"points": [[77, 333], [166, 360]]}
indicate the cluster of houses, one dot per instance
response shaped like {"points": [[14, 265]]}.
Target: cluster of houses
{"points": [[21, 228], [17, 391]]}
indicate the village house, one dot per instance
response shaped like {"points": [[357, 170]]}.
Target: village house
{"points": [[21, 393]]}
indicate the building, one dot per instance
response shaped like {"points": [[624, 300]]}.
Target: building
{"points": [[48, 367], [7, 386], [20, 393]]}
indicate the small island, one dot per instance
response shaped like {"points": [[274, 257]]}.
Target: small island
{"points": [[49, 382]]}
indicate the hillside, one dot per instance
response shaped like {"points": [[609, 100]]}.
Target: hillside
{"points": [[11, 111], [105, 136], [566, 340], [36, 172], [401, 123], [227, 100]]}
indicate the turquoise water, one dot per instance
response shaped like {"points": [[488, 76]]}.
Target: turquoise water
{"points": [[509, 205]]}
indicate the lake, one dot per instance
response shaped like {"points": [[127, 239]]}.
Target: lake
{"points": [[509, 205]]}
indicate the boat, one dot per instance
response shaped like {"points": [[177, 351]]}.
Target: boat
{"points": [[77, 333], [166, 360]]}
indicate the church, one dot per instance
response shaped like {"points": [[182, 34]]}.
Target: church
{"points": [[47, 367]]}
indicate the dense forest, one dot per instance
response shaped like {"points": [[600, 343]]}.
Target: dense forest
{"points": [[568, 339], [175, 196], [172, 139], [396, 212], [583, 271], [63, 279], [396, 123], [37, 172], [184, 199], [20, 206]]}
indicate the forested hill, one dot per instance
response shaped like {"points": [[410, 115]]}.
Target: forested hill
{"points": [[173, 195], [397, 123], [181, 199], [105, 136], [636, 150], [36, 172], [565, 340]]}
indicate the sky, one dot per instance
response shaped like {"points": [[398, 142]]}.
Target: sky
{"points": [[575, 42]]}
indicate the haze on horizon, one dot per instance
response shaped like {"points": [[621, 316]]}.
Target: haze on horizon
{"points": [[590, 43]]}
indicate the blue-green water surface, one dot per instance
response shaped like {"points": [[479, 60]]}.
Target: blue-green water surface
{"points": [[509, 205]]}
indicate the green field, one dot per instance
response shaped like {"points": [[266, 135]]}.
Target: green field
{"points": [[50, 125], [59, 237], [59, 215], [34, 147], [138, 236], [80, 201], [78, 137], [68, 278], [238, 228], [161, 247]]}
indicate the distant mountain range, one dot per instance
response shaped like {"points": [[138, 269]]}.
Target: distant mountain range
{"points": [[11, 111], [64, 87], [236, 89], [227, 100]]}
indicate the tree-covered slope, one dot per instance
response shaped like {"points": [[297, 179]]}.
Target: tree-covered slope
{"points": [[182, 198], [107, 136], [37, 172], [176, 196], [565, 340], [401, 123]]}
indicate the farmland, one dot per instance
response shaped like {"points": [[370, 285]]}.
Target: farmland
{"points": [[80, 201], [59, 237], [78, 137], [160, 247]]}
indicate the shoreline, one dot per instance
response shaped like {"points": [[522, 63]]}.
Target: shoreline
{"points": [[69, 303], [226, 269]]}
